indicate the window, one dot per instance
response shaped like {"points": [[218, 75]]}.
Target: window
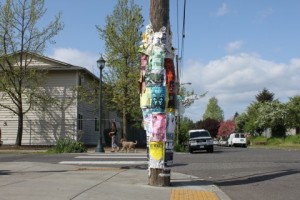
{"points": [[80, 80], [96, 124], [80, 122]]}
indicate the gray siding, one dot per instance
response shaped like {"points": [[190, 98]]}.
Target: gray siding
{"points": [[45, 124]]}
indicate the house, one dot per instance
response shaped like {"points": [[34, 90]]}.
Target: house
{"points": [[68, 116]]}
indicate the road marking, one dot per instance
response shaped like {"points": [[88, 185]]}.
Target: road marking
{"points": [[104, 162], [117, 154], [125, 157]]}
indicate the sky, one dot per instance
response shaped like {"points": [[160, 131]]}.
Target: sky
{"points": [[232, 49]]}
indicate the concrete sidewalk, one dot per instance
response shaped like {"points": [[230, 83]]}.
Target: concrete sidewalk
{"points": [[36, 181]]}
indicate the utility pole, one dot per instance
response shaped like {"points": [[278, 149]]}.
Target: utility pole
{"points": [[158, 92]]}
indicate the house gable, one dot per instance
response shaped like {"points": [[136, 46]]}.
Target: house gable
{"points": [[45, 124]]}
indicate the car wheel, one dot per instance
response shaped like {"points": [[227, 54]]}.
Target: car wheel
{"points": [[190, 150]]}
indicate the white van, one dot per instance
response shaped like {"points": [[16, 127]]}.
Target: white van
{"points": [[237, 139]]}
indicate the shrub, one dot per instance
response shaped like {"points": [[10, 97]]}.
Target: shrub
{"points": [[258, 140], [179, 148], [292, 139], [67, 145], [275, 141]]}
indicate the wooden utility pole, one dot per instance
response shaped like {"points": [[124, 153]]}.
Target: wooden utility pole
{"points": [[159, 14], [159, 17]]}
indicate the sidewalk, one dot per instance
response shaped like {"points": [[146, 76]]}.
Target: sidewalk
{"points": [[36, 181]]}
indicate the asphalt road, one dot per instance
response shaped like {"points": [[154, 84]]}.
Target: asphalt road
{"points": [[242, 173], [246, 173]]}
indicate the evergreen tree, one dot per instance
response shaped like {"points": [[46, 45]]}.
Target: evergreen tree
{"points": [[265, 95], [213, 110], [122, 35]]}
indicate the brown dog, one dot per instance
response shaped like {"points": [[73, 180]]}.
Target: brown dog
{"points": [[128, 145]]}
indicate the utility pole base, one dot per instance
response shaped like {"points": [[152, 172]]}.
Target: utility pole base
{"points": [[159, 177]]}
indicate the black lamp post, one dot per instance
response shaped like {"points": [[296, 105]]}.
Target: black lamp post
{"points": [[100, 65]]}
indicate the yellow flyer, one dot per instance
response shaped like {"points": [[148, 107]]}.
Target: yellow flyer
{"points": [[156, 150]]}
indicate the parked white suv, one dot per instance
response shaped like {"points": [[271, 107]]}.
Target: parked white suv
{"points": [[237, 139], [200, 139]]}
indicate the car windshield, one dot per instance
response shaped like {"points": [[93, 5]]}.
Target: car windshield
{"points": [[199, 134]]}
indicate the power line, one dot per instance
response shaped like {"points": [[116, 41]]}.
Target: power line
{"points": [[183, 30], [182, 38], [177, 22]]}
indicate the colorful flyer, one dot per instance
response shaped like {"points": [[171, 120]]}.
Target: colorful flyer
{"points": [[156, 152], [158, 127]]}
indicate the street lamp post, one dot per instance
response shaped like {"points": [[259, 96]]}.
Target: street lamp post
{"points": [[100, 65]]}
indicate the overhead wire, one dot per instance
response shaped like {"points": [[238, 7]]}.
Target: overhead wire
{"points": [[182, 39], [180, 48], [177, 23]]}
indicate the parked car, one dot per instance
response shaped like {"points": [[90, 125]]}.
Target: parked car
{"points": [[223, 143], [216, 142], [200, 139], [237, 139]]}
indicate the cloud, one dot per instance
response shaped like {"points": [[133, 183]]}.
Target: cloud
{"points": [[262, 15], [235, 80], [223, 10], [77, 57], [234, 46]]}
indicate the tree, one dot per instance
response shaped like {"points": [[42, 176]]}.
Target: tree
{"points": [[251, 124], [273, 115], [20, 39], [186, 124], [226, 128], [212, 125], [264, 96], [213, 110], [240, 122], [294, 113], [262, 115], [122, 35]]}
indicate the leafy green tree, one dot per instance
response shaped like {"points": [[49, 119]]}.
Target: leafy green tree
{"points": [[122, 35], [21, 38], [186, 124], [265, 95], [262, 115], [252, 115], [240, 122], [273, 115], [294, 113], [213, 110]]}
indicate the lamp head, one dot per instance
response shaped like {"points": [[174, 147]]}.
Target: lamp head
{"points": [[101, 62]]}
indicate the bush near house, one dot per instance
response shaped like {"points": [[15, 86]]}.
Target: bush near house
{"points": [[67, 145], [289, 141]]}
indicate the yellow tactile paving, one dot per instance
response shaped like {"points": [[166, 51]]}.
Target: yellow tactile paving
{"points": [[187, 194]]}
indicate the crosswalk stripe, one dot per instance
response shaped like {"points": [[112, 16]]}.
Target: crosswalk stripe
{"points": [[104, 162], [125, 157], [117, 154]]}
